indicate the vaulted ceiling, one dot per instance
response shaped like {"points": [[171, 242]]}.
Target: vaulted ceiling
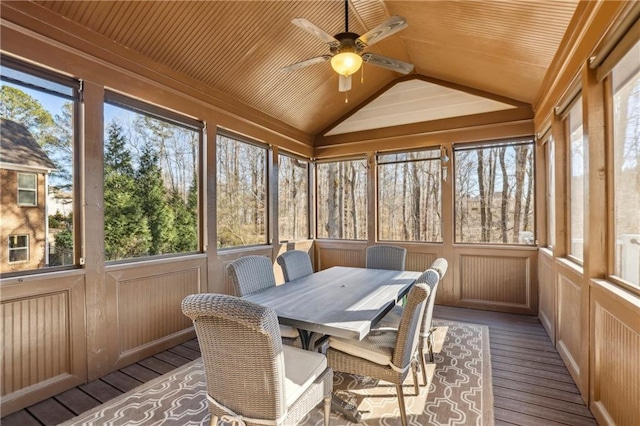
{"points": [[500, 48]]}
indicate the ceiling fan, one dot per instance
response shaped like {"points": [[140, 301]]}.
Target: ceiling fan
{"points": [[346, 48]]}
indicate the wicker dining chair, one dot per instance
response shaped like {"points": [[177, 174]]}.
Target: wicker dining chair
{"points": [[432, 278], [386, 257], [295, 264], [250, 375], [385, 354], [250, 274]]}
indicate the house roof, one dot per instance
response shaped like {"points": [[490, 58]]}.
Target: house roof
{"points": [[234, 50], [17, 146]]}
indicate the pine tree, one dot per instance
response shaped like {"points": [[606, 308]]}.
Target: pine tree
{"points": [[153, 200], [185, 224], [125, 226]]}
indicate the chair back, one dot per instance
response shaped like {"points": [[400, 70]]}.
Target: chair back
{"points": [[250, 274], [295, 264], [432, 278], [386, 257], [407, 340], [242, 354], [440, 265]]}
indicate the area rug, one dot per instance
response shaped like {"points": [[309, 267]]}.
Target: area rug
{"points": [[459, 391]]}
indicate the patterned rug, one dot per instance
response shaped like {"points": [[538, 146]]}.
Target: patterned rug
{"points": [[459, 391]]}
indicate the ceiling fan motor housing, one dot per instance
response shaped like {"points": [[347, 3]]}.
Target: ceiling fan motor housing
{"points": [[347, 43]]}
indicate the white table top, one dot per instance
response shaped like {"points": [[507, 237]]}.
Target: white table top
{"points": [[338, 301]]}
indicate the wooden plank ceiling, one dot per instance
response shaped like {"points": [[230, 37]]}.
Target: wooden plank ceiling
{"points": [[237, 47]]}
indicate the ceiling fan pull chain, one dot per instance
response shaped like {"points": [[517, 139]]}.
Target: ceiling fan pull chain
{"points": [[362, 75], [346, 97]]}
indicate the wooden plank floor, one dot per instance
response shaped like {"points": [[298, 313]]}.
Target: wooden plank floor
{"points": [[531, 385]]}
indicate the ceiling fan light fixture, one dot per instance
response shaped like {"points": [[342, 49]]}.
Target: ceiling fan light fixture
{"points": [[346, 63]]}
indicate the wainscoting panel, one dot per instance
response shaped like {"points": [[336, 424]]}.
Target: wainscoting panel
{"points": [[417, 261], [496, 279], [615, 366], [161, 315], [342, 253], [547, 293], [572, 323], [144, 307], [43, 338]]}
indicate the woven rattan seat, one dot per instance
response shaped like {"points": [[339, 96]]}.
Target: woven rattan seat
{"points": [[386, 354], [386, 257], [295, 264], [431, 277], [251, 274], [251, 376]]}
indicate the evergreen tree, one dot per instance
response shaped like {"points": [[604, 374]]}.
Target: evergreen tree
{"points": [[153, 200], [125, 226], [185, 223]]}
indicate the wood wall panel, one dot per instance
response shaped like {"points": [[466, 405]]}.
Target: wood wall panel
{"points": [[339, 253], [37, 326], [547, 293], [615, 368], [417, 261], [503, 280], [160, 314], [144, 312], [42, 331], [571, 330]]}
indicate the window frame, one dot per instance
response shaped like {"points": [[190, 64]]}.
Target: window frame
{"points": [[378, 164], [605, 71], [34, 190], [13, 249], [549, 145], [362, 157], [176, 119], [309, 209], [486, 144], [73, 94], [268, 240], [566, 123]]}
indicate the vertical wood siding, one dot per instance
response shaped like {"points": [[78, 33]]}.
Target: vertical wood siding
{"points": [[35, 335], [496, 279], [547, 294], [149, 307], [569, 332]]}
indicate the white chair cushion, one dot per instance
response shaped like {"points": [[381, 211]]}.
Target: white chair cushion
{"points": [[301, 368], [391, 320], [377, 347], [288, 331]]}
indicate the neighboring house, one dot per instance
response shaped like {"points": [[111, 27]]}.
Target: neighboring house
{"points": [[24, 170]]}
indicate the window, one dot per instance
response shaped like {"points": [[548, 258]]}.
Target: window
{"points": [[551, 192], [27, 189], [577, 179], [626, 166], [18, 248], [494, 184], [409, 202], [342, 199], [241, 192], [38, 110], [151, 190], [293, 198]]}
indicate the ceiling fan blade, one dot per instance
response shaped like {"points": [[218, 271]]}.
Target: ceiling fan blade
{"points": [[388, 27], [321, 34], [305, 63], [388, 63]]}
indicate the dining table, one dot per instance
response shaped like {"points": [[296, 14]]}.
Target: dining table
{"points": [[339, 301]]}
